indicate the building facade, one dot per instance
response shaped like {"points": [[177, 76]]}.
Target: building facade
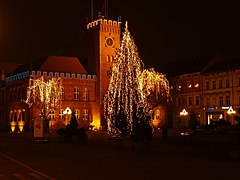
{"points": [[209, 93]]}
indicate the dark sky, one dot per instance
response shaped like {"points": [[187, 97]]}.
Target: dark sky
{"points": [[164, 31]]}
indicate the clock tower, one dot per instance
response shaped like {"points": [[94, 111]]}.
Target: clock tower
{"points": [[103, 38]]}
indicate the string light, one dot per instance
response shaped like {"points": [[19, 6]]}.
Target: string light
{"points": [[154, 82], [124, 99], [44, 94]]}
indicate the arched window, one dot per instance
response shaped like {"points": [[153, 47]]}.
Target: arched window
{"points": [[85, 115], [76, 94], [85, 94], [61, 115], [52, 114], [108, 58], [62, 94], [77, 114]]}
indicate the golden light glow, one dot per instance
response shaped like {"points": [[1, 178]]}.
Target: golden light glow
{"points": [[21, 125], [67, 111], [184, 112], [152, 81], [13, 126], [44, 93], [231, 111], [125, 97], [196, 85]]}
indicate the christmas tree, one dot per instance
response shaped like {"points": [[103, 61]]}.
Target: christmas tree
{"points": [[125, 105]]}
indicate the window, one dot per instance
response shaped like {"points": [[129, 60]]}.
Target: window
{"points": [[179, 101], [85, 94], [208, 101], [227, 83], [62, 94], [214, 100], [227, 100], [77, 114], [220, 84], [76, 94], [108, 58], [61, 115], [85, 115], [189, 100], [207, 86], [214, 84], [197, 100], [220, 100], [51, 114]]}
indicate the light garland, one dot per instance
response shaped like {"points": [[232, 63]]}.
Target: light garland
{"points": [[44, 94], [154, 82], [125, 102]]}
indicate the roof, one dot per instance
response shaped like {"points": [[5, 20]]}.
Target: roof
{"points": [[60, 64], [8, 67], [225, 64], [186, 66]]}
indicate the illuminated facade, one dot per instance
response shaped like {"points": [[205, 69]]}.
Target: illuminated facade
{"points": [[209, 93], [82, 91]]}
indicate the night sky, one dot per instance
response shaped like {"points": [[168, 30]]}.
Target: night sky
{"points": [[164, 31]]}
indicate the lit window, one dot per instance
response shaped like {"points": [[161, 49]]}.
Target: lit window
{"points": [[62, 94], [108, 58], [77, 114], [52, 114], [85, 94], [61, 115], [189, 84], [76, 93], [85, 115]]}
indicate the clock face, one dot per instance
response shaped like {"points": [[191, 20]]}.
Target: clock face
{"points": [[109, 41]]}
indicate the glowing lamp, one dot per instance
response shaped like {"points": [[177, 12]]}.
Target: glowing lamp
{"points": [[231, 111], [67, 111], [183, 113]]}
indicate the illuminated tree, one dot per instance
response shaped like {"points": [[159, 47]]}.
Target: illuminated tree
{"points": [[125, 103], [155, 87], [44, 94]]}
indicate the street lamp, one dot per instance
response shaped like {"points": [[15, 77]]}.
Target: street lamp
{"points": [[67, 112], [231, 112], [183, 114]]}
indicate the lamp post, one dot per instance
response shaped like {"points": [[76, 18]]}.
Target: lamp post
{"points": [[183, 114], [231, 112], [67, 113]]}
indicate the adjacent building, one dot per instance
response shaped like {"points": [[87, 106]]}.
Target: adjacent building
{"points": [[208, 87]]}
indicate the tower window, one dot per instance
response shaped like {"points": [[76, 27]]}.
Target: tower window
{"points": [[76, 94], [85, 94]]}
